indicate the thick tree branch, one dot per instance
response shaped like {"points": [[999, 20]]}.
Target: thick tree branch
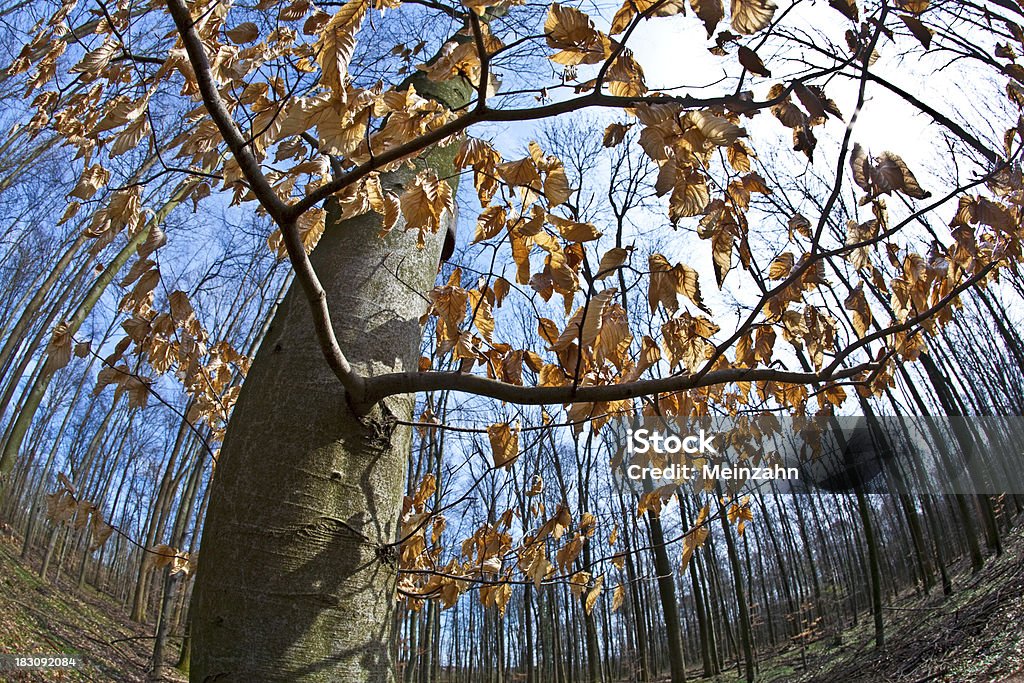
{"points": [[278, 210], [485, 61], [938, 117], [410, 382], [218, 111], [476, 116]]}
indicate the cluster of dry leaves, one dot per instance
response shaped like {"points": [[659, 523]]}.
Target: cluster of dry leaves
{"points": [[490, 558], [64, 507]]}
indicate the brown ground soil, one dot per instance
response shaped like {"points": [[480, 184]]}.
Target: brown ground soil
{"points": [[974, 635], [38, 617]]}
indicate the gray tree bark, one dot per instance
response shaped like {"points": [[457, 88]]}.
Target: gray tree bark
{"points": [[296, 575]]}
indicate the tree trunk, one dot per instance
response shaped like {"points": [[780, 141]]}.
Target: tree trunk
{"points": [[698, 598], [75, 321], [667, 593], [741, 598], [863, 509], [297, 575]]}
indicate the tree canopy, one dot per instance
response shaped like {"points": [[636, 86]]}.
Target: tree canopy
{"points": [[670, 209]]}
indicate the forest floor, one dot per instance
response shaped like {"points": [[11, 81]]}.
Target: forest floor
{"points": [[974, 635], [40, 618]]}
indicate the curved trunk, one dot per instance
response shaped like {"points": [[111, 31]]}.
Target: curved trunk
{"points": [[297, 577]]}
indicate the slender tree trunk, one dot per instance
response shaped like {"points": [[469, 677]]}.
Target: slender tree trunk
{"points": [[698, 599], [863, 509], [92, 297], [741, 598], [670, 608], [164, 493], [40, 292]]}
